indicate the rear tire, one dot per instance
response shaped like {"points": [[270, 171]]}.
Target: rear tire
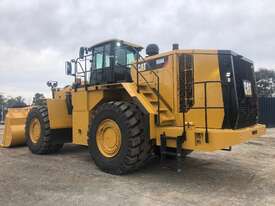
{"points": [[42, 143], [135, 145]]}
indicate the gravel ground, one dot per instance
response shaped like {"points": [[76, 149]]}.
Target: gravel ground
{"points": [[244, 176]]}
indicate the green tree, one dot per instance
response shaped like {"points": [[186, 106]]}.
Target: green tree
{"points": [[18, 101], [264, 73], [38, 99], [2, 103], [2, 99]]}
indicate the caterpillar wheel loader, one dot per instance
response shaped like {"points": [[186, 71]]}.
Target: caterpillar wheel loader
{"points": [[124, 107]]}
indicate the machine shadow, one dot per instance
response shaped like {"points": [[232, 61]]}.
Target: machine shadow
{"points": [[69, 149], [206, 172]]}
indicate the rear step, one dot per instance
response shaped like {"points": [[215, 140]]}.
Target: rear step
{"points": [[178, 154]]}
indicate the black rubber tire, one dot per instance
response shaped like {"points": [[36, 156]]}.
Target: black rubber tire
{"points": [[135, 147], [45, 144]]}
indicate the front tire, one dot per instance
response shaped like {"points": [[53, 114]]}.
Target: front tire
{"points": [[38, 132], [117, 141]]}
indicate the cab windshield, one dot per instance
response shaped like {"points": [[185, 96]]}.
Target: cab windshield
{"points": [[111, 62], [106, 57]]}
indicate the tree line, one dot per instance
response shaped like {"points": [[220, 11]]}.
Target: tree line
{"points": [[265, 82], [17, 102]]}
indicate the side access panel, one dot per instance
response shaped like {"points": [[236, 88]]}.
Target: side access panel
{"points": [[83, 102], [59, 116]]}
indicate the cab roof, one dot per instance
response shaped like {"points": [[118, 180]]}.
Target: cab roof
{"points": [[138, 47]]}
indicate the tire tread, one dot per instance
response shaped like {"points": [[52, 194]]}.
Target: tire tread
{"points": [[139, 145], [45, 144]]}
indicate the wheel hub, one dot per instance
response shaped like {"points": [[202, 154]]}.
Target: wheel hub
{"points": [[108, 138], [35, 130]]}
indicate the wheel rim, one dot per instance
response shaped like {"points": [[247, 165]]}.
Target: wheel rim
{"points": [[35, 130], [108, 138]]}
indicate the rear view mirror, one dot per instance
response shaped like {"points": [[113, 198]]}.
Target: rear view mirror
{"points": [[81, 52], [68, 68]]}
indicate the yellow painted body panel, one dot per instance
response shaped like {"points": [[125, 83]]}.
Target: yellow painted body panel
{"points": [[223, 138], [83, 102], [206, 68], [80, 127], [58, 114], [166, 79], [14, 131], [218, 138], [61, 93]]}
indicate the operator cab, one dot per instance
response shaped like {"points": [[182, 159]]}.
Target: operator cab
{"points": [[111, 61], [104, 63]]}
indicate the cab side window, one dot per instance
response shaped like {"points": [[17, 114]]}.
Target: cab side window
{"points": [[102, 57], [130, 57], [98, 57], [108, 55], [120, 55], [124, 56]]}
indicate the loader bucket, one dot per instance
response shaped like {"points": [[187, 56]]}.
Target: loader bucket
{"points": [[14, 130]]}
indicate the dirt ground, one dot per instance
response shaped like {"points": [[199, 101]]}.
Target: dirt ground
{"points": [[244, 176]]}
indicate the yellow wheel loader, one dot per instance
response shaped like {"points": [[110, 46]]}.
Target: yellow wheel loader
{"points": [[124, 107]]}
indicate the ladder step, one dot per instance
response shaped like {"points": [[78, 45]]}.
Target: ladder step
{"points": [[154, 102], [166, 119], [163, 109], [167, 122], [146, 92], [178, 153], [143, 85]]}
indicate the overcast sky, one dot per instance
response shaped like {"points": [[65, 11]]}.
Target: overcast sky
{"points": [[36, 37]]}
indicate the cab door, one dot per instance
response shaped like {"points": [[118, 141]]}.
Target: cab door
{"points": [[102, 71]]}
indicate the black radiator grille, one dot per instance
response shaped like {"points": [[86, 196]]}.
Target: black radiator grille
{"points": [[240, 110], [247, 104]]}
